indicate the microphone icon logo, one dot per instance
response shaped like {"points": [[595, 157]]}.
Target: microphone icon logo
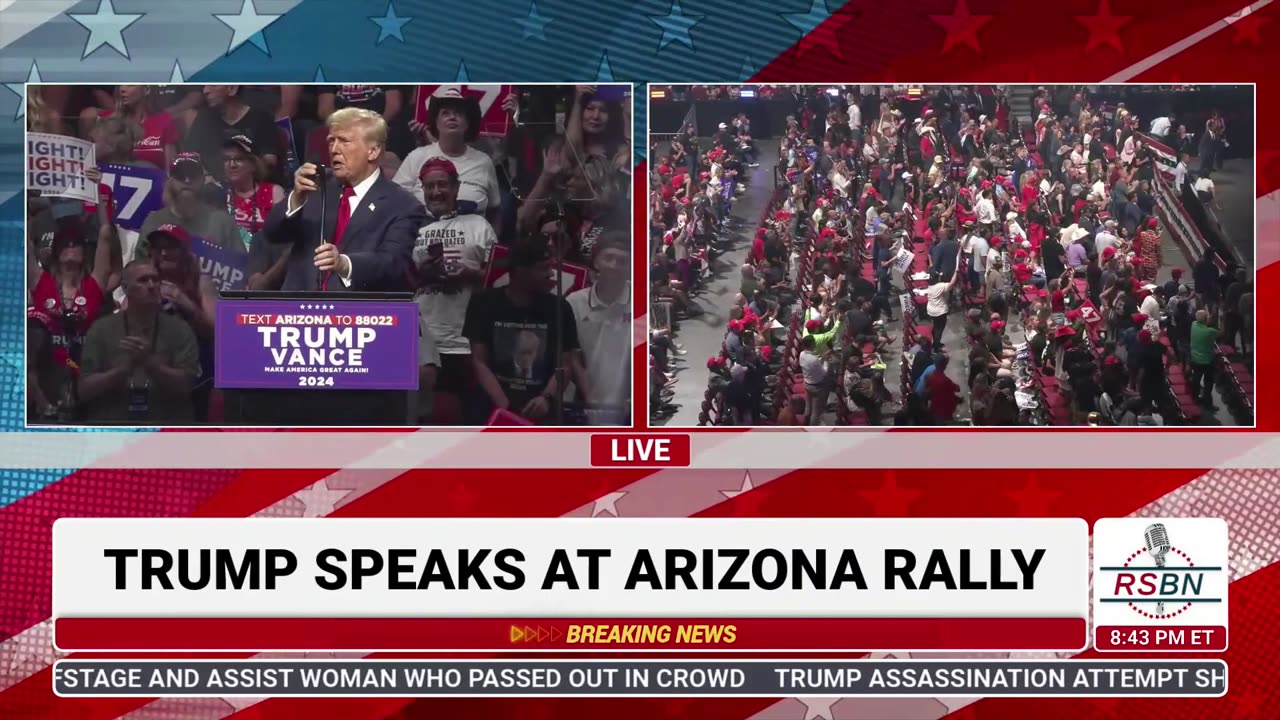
{"points": [[1157, 539]]}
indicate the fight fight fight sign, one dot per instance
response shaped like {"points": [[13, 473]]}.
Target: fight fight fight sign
{"points": [[1160, 585]]}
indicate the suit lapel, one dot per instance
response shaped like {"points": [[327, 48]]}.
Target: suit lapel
{"points": [[362, 214]]}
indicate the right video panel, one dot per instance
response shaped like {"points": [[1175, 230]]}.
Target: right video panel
{"points": [[929, 255]]}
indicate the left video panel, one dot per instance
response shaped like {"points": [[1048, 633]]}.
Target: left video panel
{"points": [[329, 255]]}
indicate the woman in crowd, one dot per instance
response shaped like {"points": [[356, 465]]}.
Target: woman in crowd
{"points": [[596, 126], [453, 121], [249, 195], [158, 142], [65, 301]]}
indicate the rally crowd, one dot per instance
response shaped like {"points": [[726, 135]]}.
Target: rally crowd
{"points": [[1044, 242], [121, 307]]}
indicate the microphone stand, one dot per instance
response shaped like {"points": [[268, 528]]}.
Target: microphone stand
{"points": [[322, 186], [557, 202]]}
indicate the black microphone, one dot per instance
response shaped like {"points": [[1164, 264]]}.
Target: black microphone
{"points": [[321, 176], [1157, 538]]}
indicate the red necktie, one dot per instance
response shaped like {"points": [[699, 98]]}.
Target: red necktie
{"points": [[344, 216], [344, 213]]}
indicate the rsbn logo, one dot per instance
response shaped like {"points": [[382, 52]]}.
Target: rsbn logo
{"points": [[1157, 580]]}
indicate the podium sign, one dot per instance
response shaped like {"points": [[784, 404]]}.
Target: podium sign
{"points": [[316, 344]]}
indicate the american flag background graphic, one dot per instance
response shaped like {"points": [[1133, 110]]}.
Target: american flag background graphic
{"points": [[935, 41]]}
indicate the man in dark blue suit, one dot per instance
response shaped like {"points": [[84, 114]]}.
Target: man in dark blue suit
{"points": [[370, 223]]}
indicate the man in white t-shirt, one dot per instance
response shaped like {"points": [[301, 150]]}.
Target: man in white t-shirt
{"points": [[1180, 174], [1205, 190], [479, 179], [977, 247], [449, 257], [603, 315], [855, 114], [817, 381], [985, 209], [1106, 238]]}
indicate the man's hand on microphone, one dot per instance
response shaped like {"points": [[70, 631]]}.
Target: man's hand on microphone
{"points": [[328, 259], [304, 182]]}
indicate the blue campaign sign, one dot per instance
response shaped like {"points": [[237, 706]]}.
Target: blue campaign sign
{"points": [[228, 270], [137, 191]]}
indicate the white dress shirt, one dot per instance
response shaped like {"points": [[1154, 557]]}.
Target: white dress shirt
{"points": [[360, 190], [986, 211]]}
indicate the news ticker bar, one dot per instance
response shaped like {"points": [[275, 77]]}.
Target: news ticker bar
{"points": [[621, 678], [462, 634], [759, 449]]}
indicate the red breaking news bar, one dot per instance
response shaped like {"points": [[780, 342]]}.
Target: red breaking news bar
{"points": [[476, 634]]}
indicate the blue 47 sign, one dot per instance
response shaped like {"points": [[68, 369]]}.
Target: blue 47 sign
{"points": [[137, 192]]}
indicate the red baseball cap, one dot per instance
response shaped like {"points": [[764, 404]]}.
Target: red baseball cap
{"points": [[439, 163], [174, 231], [812, 325]]}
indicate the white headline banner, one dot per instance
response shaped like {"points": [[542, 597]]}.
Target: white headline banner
{"points": [[570, 567]]}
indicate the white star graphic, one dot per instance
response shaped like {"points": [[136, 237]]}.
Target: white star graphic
{"points": [[176, 76], [746, 487], [319, 500], [608, 503], [33, 76], [815, 708], [105, 28], [248, 27]]}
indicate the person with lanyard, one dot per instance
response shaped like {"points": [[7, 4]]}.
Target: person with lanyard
{"points": [[66, 301], [249, 196], [139, 364]]}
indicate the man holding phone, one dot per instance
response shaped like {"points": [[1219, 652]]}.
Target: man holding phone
{"points": [[449, 257], [365, 240]]}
